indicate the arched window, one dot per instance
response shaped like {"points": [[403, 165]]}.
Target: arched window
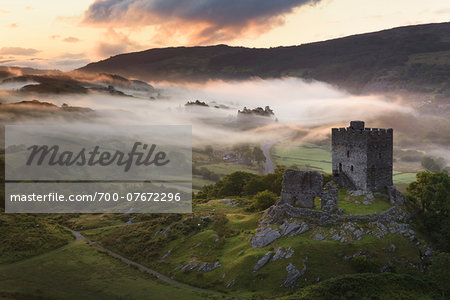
{"points": [[348, 153], [351, 168], [340, 167], [379, 155]]}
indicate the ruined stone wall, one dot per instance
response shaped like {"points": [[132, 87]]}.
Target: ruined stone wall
{"points": [[299, 188], [329, 198], [277, 214]]}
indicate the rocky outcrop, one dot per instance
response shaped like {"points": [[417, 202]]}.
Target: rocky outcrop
{"points": [[263, 261], [282, 253], [293, 275], [264, 237], [193, 265], [294, 228]]}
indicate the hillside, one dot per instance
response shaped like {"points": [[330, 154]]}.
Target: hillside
{"points": [[414, 58]]}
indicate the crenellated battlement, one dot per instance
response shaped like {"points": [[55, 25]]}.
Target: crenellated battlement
{"points": [[368, 131]]}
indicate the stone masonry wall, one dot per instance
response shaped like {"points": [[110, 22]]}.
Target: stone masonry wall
{"points": [[299, 188], [362, 157]]}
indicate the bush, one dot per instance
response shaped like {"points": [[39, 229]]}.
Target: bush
{"points": [[440, 272], [264, 200], [242, 184]]}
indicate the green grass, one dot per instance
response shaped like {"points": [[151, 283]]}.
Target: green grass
{"points": [[354, 204], [80, 271], [404, 178], [198, 182], [228, 168], [307, 156], [369, 286], [24, 236]]}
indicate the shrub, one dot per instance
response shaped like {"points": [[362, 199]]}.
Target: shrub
{"points": [[264, 200]]}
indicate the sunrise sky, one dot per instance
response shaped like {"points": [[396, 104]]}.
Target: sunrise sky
{"points": [[66, 35]]}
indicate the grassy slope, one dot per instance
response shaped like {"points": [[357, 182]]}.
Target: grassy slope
{"points": [[24, 236], [195, 239], [369, 286], [80, 271]]}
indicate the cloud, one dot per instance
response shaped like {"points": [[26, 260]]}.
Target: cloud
{"points": [[71, 39], [13, 25], [19, 51], [4, 11], [59, 63], [119, 43], [202, 21], [55, 36]]}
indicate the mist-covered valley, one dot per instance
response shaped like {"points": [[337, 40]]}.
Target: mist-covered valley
{"points": [[303, 111]]}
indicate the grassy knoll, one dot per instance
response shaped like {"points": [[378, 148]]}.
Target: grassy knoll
{"points": [[23, 236], [80, 271]]}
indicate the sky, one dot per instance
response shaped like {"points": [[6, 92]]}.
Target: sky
{"points": [[65, 35]]}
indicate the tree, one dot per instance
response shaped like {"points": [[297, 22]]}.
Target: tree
{"points": [[431, 194], [258, 155], [264, 200], [433, 164], [209, 150], [431, 191]]}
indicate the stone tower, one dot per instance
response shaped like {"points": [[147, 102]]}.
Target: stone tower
{"points": [[362, 157]]}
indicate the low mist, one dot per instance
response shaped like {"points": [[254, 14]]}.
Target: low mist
{"points": [[305, 111]]}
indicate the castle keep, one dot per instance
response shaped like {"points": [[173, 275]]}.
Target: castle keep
{"points": [[362, 157]]}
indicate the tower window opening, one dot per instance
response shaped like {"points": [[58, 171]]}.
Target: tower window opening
{"points": [[351, 168], [348, 153], [379, 155], [340, 167]]}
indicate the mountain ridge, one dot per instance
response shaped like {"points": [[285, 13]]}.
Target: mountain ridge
{"points": [[414, 58]]}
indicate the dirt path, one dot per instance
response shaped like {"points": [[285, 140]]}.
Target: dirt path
{"points": [[168, 280], [269, 166]]}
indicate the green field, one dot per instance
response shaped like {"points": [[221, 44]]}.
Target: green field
{"points": [[312, 157], [403, 178], [305, 156]]}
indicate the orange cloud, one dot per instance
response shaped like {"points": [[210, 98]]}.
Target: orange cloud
{"points": [[117, 43], [71, 39], [201, 22], [18, 51]]}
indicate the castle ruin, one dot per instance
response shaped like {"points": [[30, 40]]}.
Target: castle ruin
{"points": [[362, 157], [361, 161]]}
